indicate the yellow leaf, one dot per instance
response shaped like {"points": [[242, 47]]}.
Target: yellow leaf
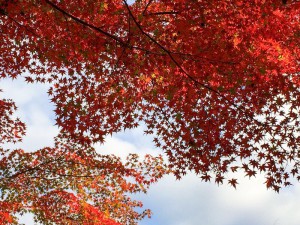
{"points": [[236, 41]]}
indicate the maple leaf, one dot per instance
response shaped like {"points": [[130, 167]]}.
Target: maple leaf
{"points": [[236, 41], [278, 13], [233, 182], [206, 177], [219, 179]]}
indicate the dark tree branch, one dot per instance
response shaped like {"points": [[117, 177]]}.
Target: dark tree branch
{"points": [[194, 80], [86, 24], [169, 53], [148, 4], [161, 13]]}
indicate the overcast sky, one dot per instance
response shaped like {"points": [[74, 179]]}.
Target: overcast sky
{"points": [[185, 202]]}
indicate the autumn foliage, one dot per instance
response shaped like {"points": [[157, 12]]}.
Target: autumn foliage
{"points": [[215, 82]]}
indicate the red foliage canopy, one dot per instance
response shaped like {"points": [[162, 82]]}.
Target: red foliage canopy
{"points": [[215, 82]]}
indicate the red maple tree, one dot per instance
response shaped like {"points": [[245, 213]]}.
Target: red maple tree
{"points": [[215, 82]]}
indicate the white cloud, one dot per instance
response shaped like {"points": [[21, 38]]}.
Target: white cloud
{"points": [[131, 141], [34, 109], [192, 202]]}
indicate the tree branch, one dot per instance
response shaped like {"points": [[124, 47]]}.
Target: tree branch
{"points": [[148, 4], [84, 23], [161, 13]]}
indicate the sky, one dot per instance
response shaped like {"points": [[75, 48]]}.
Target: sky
{"points": [[186, 202]]}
